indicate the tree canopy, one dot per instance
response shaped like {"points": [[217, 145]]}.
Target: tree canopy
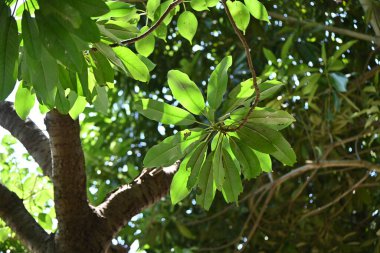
{"points": [[272, 107]]}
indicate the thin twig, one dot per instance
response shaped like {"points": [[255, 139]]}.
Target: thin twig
{"points": [[250, 65], [322, 208], [151, 29]]}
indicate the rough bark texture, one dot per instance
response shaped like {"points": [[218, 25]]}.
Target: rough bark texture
{"points": [[13, 212], [33, 139], [129, 200], [74, 215]]}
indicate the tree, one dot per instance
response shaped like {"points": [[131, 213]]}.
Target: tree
{"points": [[67, 59]]}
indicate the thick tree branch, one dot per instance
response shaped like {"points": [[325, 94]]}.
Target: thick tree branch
{"points": [[130, 200], [69, 179], [346, 32], [33, 139], [13, 212]]}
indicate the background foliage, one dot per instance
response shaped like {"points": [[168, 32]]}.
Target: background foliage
{"points": [[328, 87]]}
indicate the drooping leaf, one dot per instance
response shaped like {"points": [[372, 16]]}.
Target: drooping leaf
{"points": [[339, 81], [134, 65], [110, 54], [187, 25], [285, 48], [173, 148], [265, 161], [283, 151], [9, 47], [195, 163], [218, 83], [24, 101], [30, 36], [177, 190], [59, 42], [199, 5], [145, 46], [270, 56], [102, 69], [232, 186], [62, 103], [240, 14], [257, 9], [247, 158], [78, 105], [101, 100], [151, 8], [255, 139], [164, 113], [206, 184], [90, 8], [217, 162], [275, 119], [186, 92]]}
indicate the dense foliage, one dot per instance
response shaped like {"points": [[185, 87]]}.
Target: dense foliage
{"points": [[323, 84]]}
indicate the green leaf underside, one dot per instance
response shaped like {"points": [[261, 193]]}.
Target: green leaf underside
{"points": [[177, 190], [275, 119], [187, 25], [240, 14], [257, 9], [206, 184], [283, 151], [255, 139], [173, 148], [134, 65], [24, 101], [218, 83], [164, 113], [9, 47], [145, 46], [217, 162], [195, 163], [186, 92], [247, 158], [232, 186]]}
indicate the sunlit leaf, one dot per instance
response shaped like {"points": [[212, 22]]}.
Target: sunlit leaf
{"points": [[145, 46], [206, 184], [177, 190], [186, 92], [232, 186], [257, 9], [240, 14], [134, 65], [195, 163], [187, 25], [164, 113], [24, 101]]}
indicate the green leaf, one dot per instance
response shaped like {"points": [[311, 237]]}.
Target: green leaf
{"points": [[151, 8], [217, 162], [342, 49], [59, 42], [212, 3], [206, 184], [265, 161], [185, 232], [269, 55], [90, 8], [134, 65], [283, 151], [101, 100], [339, 81], [310, 83], [102, 69], [187, 25], [275, 119], [162, 8], [62, 103], [164, 113], [44, 77], [9, 49], [255, 139], [173, 148], [240, 14], [257, 9], [218, 83], [238, 95], [118, 10], [30, 36], [145, 46], [195, 163], [24, 101], [62, 10], [78, 105], [110, 54], [269, 88], [177, 190], [247, 158], [285, 48], [186, 92], [232, 186], [199, 5]]}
